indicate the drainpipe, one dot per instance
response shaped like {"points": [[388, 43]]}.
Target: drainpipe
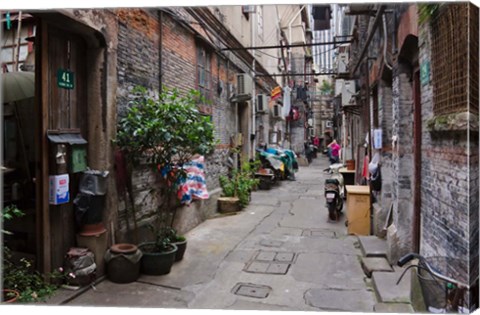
{"points": [[385, 61], [253, 131], [160, 44]]}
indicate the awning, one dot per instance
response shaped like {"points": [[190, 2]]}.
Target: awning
{"points": [[69, 138]]}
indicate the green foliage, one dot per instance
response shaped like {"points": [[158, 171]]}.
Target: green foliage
{"points": [[21, 276], [240, 183], [326, 88], [167, 130], [8, 213], [427, 11]]}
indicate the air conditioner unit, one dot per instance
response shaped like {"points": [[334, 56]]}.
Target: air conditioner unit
{"points": [[262, 103], [348, 91], [277, 111], [342, 66], [244, 84], [248, 9]]}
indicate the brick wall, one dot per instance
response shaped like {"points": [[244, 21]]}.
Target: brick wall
{"points": [[138, 64], [445, 182], [138, 58]]}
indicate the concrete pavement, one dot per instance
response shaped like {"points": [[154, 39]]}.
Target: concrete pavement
{"points": [[280, 253]]}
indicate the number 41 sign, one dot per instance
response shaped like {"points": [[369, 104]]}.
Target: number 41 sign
{"points": [[65, 79]]}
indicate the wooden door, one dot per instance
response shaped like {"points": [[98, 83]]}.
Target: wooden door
{"points": [[62, 109]]}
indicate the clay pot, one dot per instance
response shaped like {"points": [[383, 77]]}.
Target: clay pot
{"points": [[10, 296]]}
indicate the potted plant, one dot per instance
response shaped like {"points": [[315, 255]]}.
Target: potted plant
{"points": [[164, 131], [236, 189], [179, 240]]}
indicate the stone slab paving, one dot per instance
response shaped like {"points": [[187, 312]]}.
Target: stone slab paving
{"points": [[372, 246], [371, 264], [393, 308], [388, 291], [319, 270], [341, 300], [135, 294]]}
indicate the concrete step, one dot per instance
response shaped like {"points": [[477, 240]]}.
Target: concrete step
{"points": [[386, 289], [373, 264], [393, 308], [372, 246]]}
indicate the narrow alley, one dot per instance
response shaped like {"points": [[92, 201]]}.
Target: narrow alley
{"points": [[279, 253]]}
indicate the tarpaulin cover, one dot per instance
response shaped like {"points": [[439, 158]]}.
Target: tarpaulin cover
{"points": [[194, 185]]}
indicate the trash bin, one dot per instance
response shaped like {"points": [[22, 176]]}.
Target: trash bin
{"points": [[90, 202]]}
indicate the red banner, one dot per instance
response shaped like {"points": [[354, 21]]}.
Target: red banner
{"points": [[276, 93]]}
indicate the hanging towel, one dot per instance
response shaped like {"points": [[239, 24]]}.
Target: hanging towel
{"points": [[194, 185], [365, 167]]}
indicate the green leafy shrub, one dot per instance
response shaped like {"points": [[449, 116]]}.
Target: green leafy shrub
{"points": [[239, 184], [166, 131], [21, 276]]}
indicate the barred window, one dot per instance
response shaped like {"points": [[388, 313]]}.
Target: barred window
{"points": [[204, 73], [455, 59]]}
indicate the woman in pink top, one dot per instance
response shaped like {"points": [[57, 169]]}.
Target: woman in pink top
{"points": [[334, 149]]}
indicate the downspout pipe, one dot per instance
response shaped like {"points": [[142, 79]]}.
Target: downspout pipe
{"points": [[369, 38], [385, 43], [160, 45]]}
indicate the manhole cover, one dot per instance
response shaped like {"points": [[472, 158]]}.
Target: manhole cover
{"points": [[265, 256], [257, 267], [278, 269], [267, 268], [251, 290], [285, 257]]}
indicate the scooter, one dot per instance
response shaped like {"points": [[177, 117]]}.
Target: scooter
{"points": [[334, 192]]}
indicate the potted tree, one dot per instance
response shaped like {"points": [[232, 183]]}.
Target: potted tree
{"points": [[164, 131]]}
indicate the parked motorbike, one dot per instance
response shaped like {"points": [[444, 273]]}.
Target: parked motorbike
{"points": [[271, 162], [334, 192]]}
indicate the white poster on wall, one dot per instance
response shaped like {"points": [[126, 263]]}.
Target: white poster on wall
{"points": [[377, 138]]}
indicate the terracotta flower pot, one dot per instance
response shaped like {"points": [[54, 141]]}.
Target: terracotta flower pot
{"points": [[10, 296], [228, 204]]}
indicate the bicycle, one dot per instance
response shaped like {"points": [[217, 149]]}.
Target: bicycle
{"points": [[442, 293]]}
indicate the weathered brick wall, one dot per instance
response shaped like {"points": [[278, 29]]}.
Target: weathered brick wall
{"points": [[138, 58], [138, 64], [386, 121], [178, 56], [445, 180], [402, 158], [474, 204]]}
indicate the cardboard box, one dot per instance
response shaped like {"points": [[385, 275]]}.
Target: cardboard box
{"points": [[59, 189], [358, 209]]}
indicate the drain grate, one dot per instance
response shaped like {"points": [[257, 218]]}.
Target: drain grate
{"points": [[252, 290]]}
